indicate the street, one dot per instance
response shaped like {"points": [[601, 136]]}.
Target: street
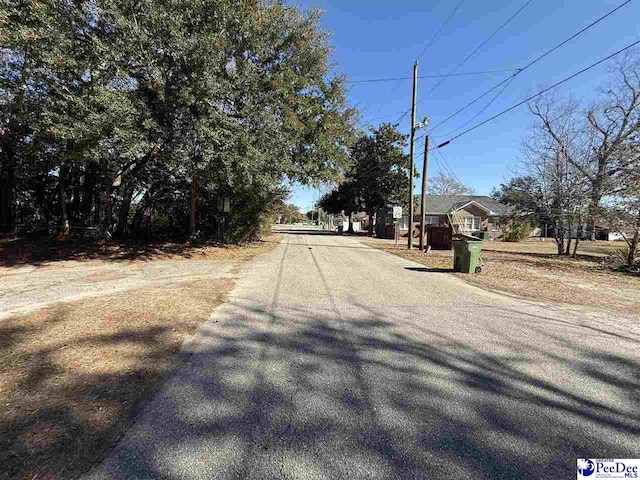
{"points": [[332, 360]]}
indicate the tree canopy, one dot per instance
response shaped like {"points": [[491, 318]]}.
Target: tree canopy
{"points": [[138, 117], [378, 174], [581, 161], [445, 184]]}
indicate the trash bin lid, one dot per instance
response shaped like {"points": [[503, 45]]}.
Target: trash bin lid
{"points": [[466, 238]]}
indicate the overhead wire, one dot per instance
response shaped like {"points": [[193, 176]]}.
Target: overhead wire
{"points": [[482, 44], [564, 80], [429, 43], [510, 79], [531, 63], [439, 31], [464, 74], [482, 110], [404, 112]]}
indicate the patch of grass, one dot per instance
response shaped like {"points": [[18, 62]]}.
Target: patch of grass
{"points": [[20, 252], [586, 280], [583, 281], [72, 375], [548, 246]]}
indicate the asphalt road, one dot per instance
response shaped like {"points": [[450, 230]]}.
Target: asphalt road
{"points": [[332, 360]]}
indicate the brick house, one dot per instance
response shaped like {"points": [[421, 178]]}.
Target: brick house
{"points": [[479, 215]]}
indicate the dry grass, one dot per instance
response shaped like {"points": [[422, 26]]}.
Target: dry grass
{"points": [[586, 280], [548, 246], [72, 375], [440, 259], [19, 252]]}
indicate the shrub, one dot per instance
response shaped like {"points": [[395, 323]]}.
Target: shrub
{"points": [[517, 231], [621, 255]]}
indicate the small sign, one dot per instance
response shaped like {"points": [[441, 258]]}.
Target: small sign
{"points": [[224, 204], [397, 212]]}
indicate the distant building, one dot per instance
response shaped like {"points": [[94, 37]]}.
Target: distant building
{"points": [[476, 215]]}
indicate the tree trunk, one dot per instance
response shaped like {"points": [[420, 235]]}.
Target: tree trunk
{"points": [[594, 210], [88, 187], [97, 201], [194, 220], [350, 229], [123, 215], [7, 186], [559, 237], [633, 247], [567, 250], [371, 224], [136, 224], [64, 213], [75, 200], [633, 244], [108, 209], [578, 231]]}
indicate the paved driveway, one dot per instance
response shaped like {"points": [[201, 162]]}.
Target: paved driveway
{"points": [[332, 360]]}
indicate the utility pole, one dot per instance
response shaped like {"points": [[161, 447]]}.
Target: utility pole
{"points": [[413, 131], [423, 195]]}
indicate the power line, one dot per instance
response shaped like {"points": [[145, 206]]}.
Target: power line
{"points": [[402, 116], [482, 110], [531, 63], [445, 162], [387, 79], [385, 116], [433, 39], [564, 80], [444, 24], [480, 46]]}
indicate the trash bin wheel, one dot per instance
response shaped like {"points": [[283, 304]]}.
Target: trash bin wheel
{"points": [[478, 269]]}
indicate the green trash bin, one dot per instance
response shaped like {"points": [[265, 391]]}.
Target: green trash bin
{"points": [[466, 254]]}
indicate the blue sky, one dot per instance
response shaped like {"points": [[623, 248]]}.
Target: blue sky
{"points": [[382, 38]]}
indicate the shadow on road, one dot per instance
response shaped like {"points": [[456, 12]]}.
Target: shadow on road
{"points": [[313, 393], [361, 399]]}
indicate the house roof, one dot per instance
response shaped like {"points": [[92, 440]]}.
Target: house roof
{"points": [[443, 204]]}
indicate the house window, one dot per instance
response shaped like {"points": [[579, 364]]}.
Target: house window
{"points": [[404, 223], [471, 224], [432, 220]]}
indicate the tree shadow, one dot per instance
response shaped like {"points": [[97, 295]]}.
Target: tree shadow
{"points": [[22, 252], [57, 420], [304, 394]]}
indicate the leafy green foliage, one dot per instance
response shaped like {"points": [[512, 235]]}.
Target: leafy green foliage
{"points": [[378, 175], [114, 108]]}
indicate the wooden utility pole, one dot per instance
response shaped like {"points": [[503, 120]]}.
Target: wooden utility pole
{"points": [[413, 131], [423, 194]]}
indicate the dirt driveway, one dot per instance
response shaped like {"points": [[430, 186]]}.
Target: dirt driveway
{"points": [[27, 288]]}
